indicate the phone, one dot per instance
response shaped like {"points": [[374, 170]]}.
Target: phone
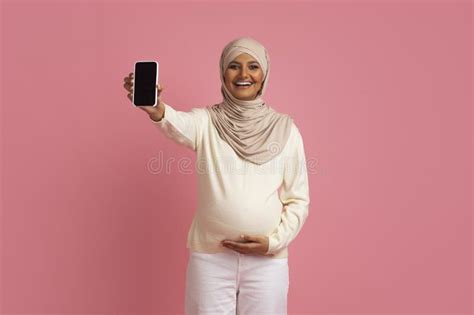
{"points": [[145, 76]]}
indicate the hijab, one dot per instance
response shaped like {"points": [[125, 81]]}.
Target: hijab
{"points": [[254, 130]]}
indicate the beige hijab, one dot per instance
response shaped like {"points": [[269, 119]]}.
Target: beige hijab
{"points": [[255, 131]]}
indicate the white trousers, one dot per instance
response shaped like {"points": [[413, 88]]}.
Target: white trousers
{"points": [[234, 283]]}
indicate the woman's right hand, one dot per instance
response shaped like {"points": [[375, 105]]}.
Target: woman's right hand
{"points": [[155, 113]]}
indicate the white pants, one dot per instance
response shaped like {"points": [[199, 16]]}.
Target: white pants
{"points": [[234, 283]]}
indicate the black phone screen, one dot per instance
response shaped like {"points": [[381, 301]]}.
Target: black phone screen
{"points": [[144, 86]]}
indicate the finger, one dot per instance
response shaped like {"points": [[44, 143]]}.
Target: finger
{"points": [[129, 77], [160, 90], [127, 86], [228, 244], [238, 245], [253, 245], [244, 248]]}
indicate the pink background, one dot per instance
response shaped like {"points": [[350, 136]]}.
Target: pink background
{"points": [[381, 92]]}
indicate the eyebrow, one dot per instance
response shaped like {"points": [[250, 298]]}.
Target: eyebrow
{"points": [[253, 61]]}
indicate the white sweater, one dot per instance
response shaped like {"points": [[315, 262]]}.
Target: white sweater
{"points": [[236, 196]]}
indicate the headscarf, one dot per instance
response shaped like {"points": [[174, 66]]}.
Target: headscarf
{"points": [[255, 131]]}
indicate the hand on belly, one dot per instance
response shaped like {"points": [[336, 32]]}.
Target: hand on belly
{"points": [[250, 245]]}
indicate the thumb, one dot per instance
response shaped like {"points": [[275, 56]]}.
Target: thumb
{"points": [[250, 238]]}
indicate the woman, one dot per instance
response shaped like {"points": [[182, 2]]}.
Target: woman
{"points": [[251, 166]]}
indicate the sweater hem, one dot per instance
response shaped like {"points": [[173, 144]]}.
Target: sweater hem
{"points": [[209, 249]]}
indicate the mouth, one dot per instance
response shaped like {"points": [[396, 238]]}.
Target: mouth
{"points": [[243, 85]]}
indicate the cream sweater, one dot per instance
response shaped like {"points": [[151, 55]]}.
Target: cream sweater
{"points": [[236, 196]]}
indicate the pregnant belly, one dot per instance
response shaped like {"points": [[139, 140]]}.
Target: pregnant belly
{"points": [[230, 218]]}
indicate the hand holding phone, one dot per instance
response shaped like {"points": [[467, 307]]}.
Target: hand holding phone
{"points": [[155, 112]]}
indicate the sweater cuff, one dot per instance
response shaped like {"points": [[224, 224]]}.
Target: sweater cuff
{"points": [[272, 244], [159, 123]]}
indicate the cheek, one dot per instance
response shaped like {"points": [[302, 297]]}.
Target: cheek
{"points": [[228, 74], [228, 79]]}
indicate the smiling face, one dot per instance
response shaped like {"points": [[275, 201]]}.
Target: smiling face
{"points": [[244, 68]]}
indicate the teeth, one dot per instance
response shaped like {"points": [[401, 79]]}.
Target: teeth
{"points": [[243, 83]]}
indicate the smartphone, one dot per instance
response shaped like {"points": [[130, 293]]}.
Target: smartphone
{"points": [[145, 77]]}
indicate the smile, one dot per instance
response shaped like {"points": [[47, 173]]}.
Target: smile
{"points": [[243, 87]]}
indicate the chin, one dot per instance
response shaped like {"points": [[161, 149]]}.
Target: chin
{"points": [[244, 97]]}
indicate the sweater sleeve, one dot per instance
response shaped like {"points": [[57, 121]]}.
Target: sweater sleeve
{"points": [[294, 195], [184, 128]]}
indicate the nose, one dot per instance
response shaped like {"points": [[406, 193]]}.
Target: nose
{"points": [[243, 73]]}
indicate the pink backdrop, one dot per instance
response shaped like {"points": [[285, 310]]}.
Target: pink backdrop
{"points": [[380, 91]]}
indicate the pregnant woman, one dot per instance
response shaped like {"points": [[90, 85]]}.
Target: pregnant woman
{"points": [[253, 188]]}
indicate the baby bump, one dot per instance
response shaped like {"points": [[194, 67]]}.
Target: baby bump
{"points": [[235, 217]]}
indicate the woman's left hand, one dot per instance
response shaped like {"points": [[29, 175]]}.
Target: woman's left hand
{"points": [[257, 245]]}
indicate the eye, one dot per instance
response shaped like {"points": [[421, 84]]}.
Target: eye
{"points": [[234, 66]]}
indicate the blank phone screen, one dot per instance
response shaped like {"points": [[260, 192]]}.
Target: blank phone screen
{"points": [[144, 87]]}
